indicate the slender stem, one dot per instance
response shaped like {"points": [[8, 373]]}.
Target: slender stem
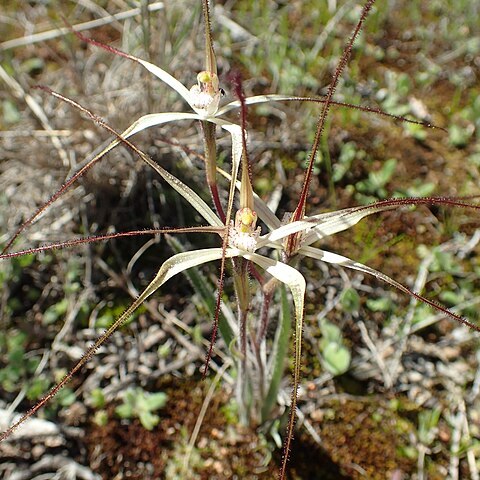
{"points": [[261, 387], [243, 403], [258, 339], [210, 145], [216, 202]]}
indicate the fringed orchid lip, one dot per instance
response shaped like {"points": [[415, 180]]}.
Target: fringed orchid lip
{"points": [[206, 94], [244, 234]]}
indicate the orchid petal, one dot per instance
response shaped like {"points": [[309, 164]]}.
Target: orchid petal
{"points": [[183, 261], [166, 78], [237, 150], [330, 223], [261, 208], [154, 119], [253, 100], [170, 267], [336, 259], [324, 224], [334, 222], [233, 129], [186, 192], [296, 282]]}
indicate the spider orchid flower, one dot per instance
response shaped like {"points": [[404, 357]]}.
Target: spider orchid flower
{"points": [[241, 239], [244, 241], [204, 100]]}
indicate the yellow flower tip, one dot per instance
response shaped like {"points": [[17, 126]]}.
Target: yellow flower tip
{"points": [[206, 94], [208, 82], [246, 220], [243, 234], [204, 77], [247, 217]]}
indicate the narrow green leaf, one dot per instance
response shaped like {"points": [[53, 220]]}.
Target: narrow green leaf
{"points": [[278, 355]]}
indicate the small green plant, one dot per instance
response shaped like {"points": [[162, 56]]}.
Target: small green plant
{"points": [[427, 434], [427, 426], [19, 367], [140, 404], [392, 97], [382, 304], [336, 356], [97, 398], [348, 154], [373, 187], [459, 136]]}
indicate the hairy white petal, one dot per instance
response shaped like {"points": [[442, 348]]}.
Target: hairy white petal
{"points": [[336, 259], [284, 231], [330, 223], [237, 150], [253, 100], [324, 224], [183, 261], [154, 119]]}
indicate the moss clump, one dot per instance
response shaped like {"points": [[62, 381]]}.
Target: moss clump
{"points": [[361, 438]]}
